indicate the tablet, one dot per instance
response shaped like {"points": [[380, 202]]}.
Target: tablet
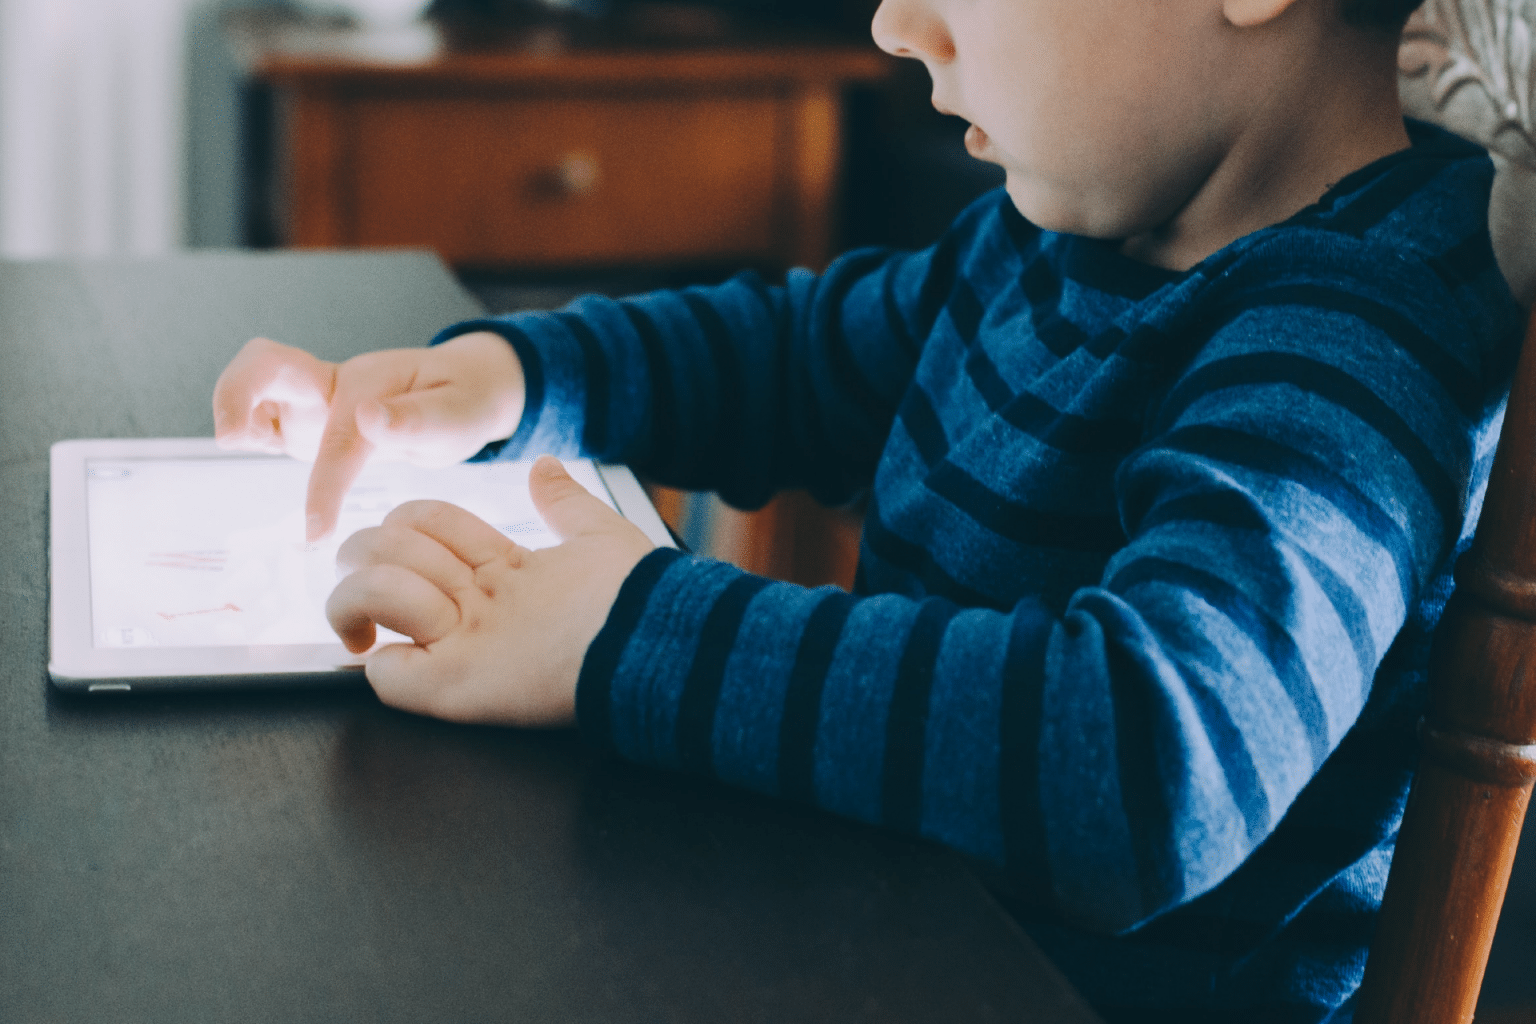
{"points": [[175, 564]]}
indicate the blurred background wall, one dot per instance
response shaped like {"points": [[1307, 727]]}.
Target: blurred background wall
{"points": [[92, 126], [121, 128]]}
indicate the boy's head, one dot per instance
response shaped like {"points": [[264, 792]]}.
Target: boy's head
{"points": [[1115, 118]]}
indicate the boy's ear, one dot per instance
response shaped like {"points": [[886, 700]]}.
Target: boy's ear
{"points": [[1252, 13]]}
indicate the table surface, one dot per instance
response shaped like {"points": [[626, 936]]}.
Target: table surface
{"points": [[313, 856]]}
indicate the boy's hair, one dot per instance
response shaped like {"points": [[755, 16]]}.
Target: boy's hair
{"points": [[1387, 15]]}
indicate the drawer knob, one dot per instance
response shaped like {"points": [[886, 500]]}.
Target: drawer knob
{"points": [[576, 174]]}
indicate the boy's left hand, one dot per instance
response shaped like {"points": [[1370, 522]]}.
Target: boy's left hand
{"points": [[500, 631]]}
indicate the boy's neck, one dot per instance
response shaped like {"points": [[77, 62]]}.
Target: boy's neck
{"points": [[1320, 123]]}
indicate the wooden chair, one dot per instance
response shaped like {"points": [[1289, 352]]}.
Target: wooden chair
{"points": [[1468, 65]]}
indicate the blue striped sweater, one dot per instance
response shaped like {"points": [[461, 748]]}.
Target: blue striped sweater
{"points": [[1148, 573]]}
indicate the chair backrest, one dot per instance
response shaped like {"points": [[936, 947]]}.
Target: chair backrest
{"points": [[1468, 65]]}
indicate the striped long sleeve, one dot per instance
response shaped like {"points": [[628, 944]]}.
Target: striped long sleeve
{"points": [[744, 389], [1149, 566]]}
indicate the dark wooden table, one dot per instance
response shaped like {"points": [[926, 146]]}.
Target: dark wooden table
{"points": [[313, 856]]}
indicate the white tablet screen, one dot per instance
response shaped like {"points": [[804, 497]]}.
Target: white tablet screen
{"points": [[194, 552]]}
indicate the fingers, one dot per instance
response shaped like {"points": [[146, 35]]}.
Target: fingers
{"points": [[448, 682], [411, 573], [268, 395], [237, 394], [461, 394], [275, 398], [391, 596], [471, 539], [343, 449], [403, 417], [338, 460], [507, 649], [406, 677], [569, 508], [414, 426], [432, 407], [394, 543], [262, 432]]}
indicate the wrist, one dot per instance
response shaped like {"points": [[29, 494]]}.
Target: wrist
{"points": [[492, 365], [533, 375], [594, 681]]}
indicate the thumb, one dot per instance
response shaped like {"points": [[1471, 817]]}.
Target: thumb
{"points": [[569, 508], [406, 418]]}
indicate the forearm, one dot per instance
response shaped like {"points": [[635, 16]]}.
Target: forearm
{"points": [[742, 387], [1012, 736]]}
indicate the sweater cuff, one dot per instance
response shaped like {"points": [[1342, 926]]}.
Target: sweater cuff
{"points": [[534, 389], [594, 685]]}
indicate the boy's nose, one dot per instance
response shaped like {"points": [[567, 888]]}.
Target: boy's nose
{"points": [[912, 28]]}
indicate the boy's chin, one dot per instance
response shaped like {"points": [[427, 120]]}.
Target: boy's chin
{"points": [[1050, 210], [1045, 209]]}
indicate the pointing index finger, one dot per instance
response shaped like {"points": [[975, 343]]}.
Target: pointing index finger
{"points": [[339, 460], [343, 448]]}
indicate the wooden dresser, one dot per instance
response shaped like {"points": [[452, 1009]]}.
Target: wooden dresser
{"points": [[540, 154]]}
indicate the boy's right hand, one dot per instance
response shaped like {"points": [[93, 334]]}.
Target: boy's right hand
{"points": [[428, 406]]}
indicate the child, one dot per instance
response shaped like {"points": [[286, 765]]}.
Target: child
{"points": [[1169, 446]]}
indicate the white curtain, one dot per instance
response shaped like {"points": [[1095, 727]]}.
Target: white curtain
{"points": [[91, 127]]}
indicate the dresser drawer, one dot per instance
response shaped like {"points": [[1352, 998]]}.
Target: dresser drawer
{"points": [[546, 181]]}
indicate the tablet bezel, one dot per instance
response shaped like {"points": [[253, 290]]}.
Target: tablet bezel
{"points": [[76, 663]]}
